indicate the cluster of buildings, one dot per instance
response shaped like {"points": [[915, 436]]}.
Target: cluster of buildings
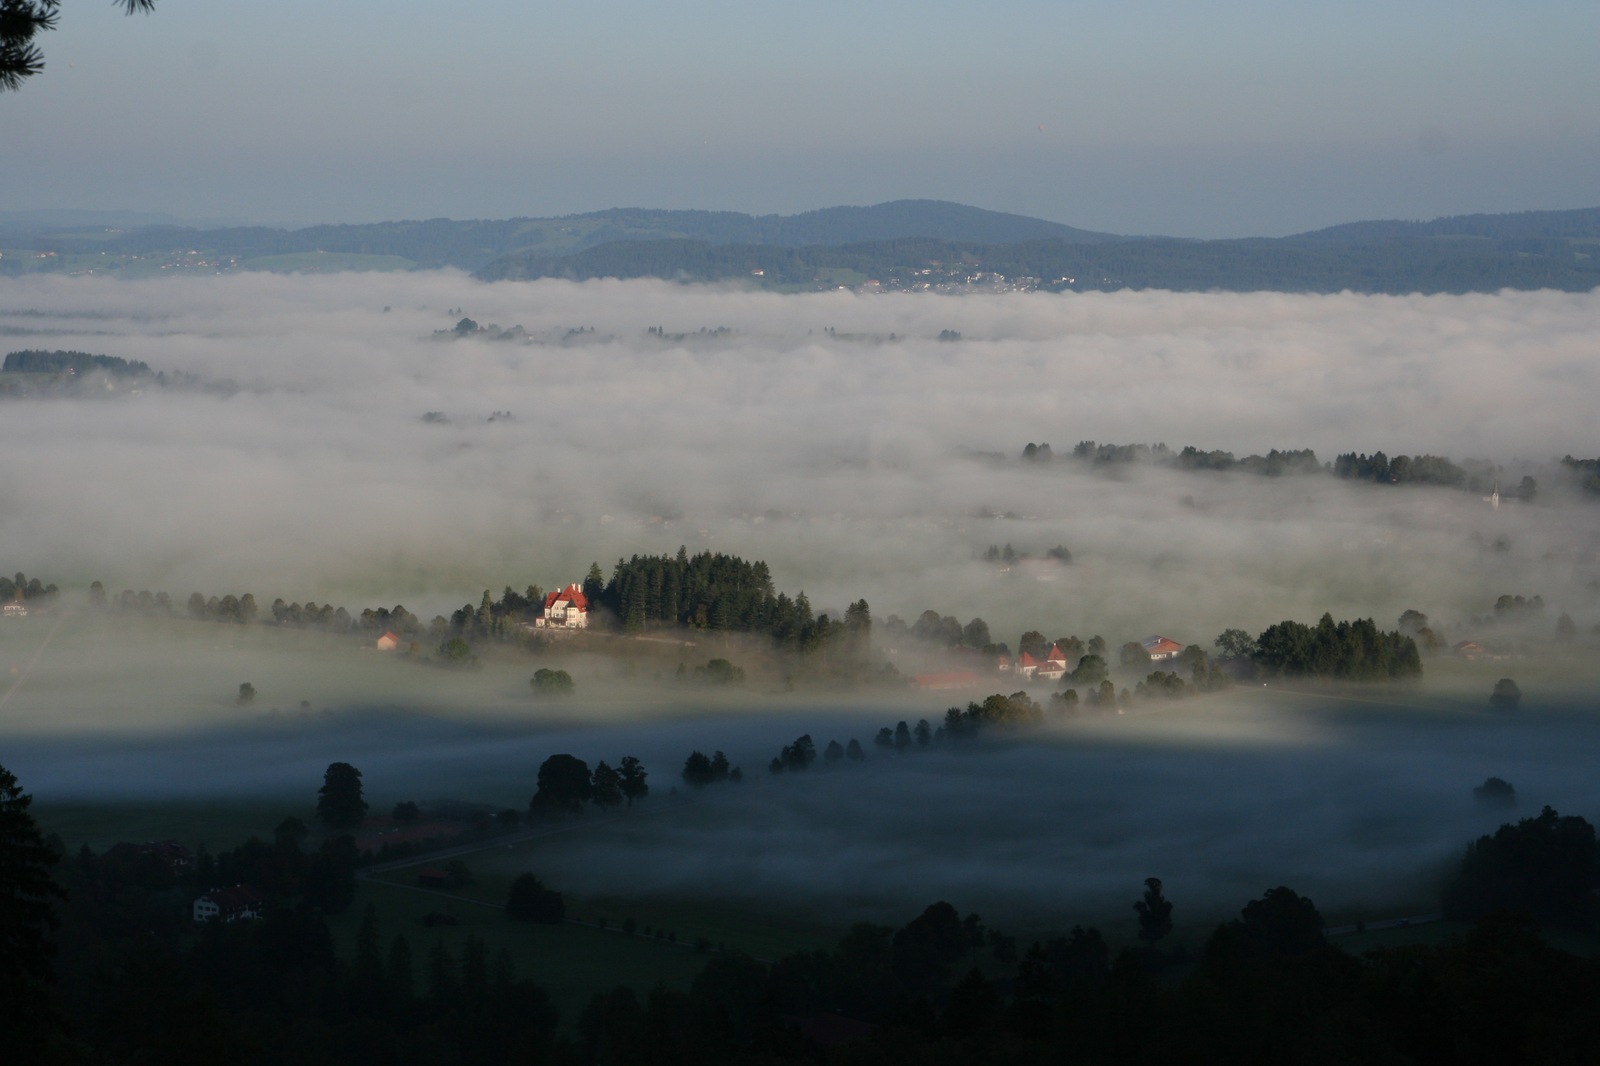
{"points": [[1053, 667]]}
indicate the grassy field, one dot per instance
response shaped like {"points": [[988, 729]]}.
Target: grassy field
{"points": [[571, 961]]}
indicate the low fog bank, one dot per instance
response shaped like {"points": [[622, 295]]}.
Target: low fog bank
{"points": [[803, 436], [1362, 808]]}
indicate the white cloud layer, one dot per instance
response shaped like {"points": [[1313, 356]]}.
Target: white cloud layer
{"points": [[319, 479]]}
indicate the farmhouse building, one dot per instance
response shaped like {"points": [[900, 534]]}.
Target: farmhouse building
{"points": [[229, 904], [567, 609], [1054, 666], [388, 642], [1161, 648]]}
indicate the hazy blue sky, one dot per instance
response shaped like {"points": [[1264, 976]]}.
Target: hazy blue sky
{"points": [[1229, 118]]}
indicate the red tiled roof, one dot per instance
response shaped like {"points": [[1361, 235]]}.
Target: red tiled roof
{"points": [[1056, 655], [1161, 645], [1027, 660], [572, 594], [239, 897]]}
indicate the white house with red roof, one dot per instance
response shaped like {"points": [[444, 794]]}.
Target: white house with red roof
{"points": [[1051, 668], [567, 609], [1054, 667], [229, 904], [1161, 648]]}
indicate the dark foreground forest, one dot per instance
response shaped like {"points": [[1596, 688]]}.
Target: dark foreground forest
{"points": [[99, 965]]}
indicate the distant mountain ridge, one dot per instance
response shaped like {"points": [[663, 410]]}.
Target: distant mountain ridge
{"points": [[470, 244], [910, 244], [1583, 223]]}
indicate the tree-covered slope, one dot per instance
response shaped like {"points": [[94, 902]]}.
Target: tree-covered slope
{"points": [[1400, 266]]}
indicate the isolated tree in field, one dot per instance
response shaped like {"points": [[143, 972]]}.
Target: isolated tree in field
{"points": [[1155, 912], [564, 786], [1506, 695], [339, 802], [247, 694], [1282, 923], [854, 750], [546, 682], [27, 914], [697, 772], [605, 787], [457, 653], [902, 738], [97, 595], [799, 755], [530, 901], [884, 739], [833, 752], [405, 813], [923, 733], [197, 606], [1411, 623], [1496, 791], [631, 776]]}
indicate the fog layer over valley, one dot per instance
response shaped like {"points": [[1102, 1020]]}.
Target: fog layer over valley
{"points": [[835, 456], [343, 442]]}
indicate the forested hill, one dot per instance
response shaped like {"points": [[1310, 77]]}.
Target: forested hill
{"points": [[906, 244], [1582, 225], [1398, 265], [443, 242]]}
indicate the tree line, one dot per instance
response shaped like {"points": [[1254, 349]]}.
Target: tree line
{"points": [[20, 586], [1472, 474], [35, 361], [1347, 651], [1291, 264], [710, 590]]}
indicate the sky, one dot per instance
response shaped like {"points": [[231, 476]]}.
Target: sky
{"points": [[1227, 119]]}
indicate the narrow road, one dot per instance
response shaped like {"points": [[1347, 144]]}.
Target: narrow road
{"points": [[17, 684], [1386, 923]]}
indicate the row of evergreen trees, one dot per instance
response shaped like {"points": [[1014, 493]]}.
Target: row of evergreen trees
{"points": [[1377, 467], [710, 590], [1348, 651]]}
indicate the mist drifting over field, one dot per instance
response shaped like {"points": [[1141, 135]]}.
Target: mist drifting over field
{"points": [[836, 437]]}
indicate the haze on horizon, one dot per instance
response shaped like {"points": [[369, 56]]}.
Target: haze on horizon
{"points": [[1240, 119]]}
